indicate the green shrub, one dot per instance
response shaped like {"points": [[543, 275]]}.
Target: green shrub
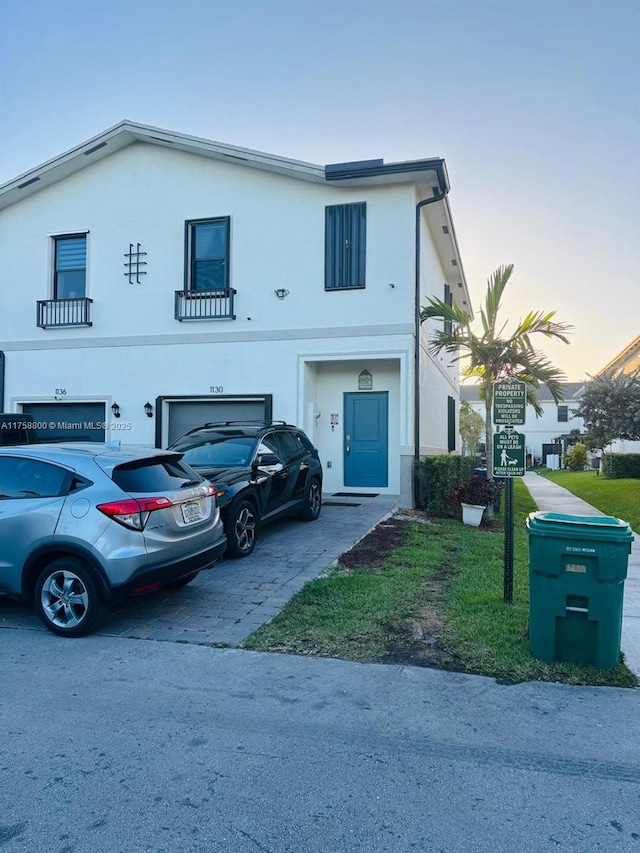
{"points": [[576, 457], [621, 466], [438, 476]]}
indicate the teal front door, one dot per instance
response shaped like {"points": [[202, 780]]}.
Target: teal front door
{"points": [[366, 439]]}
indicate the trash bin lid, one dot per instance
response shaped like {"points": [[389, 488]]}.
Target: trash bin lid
{"points": [[603, 527]]}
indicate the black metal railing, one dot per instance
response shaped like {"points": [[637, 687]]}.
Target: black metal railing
{"points": [[64, 312], [205, 304]]}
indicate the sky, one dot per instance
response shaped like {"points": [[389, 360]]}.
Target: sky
{"points": [[534, 104]]}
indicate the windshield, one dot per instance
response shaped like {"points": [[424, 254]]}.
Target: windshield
{"points": [[219, 453]]}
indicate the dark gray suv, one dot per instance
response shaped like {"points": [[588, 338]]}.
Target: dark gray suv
{"points": [[83, 525], [263, 470]]}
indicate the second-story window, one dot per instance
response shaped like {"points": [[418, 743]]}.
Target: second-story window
{"points": [[208, 254], [70, 267], [345, 246], [563, 413]]}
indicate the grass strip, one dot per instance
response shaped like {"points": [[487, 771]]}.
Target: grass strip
{"points": [[435, 600]]}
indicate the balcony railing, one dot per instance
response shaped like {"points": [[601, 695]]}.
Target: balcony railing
{"points": [[205, 304], [64, 312]]}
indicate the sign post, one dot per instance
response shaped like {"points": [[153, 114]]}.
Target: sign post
{"points": [[509, 410], [508, 462]]}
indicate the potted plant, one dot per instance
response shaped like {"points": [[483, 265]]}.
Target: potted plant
{"points": [[475, 495]]}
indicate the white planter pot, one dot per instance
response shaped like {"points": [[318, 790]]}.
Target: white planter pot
{"points": [[472, 514]]}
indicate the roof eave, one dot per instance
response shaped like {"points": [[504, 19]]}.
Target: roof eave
{"points": [[426, 172], [126, 133]]}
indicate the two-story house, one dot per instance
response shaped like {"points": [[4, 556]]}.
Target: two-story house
{"points": [[152, 281]]}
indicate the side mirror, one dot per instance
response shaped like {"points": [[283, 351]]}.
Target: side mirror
{"points": [[266, 459]]}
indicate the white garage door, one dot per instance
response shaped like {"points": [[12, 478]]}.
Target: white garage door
{"points": [[188, 414]]}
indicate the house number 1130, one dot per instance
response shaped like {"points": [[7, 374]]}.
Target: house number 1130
{"points": [[216, 389]]}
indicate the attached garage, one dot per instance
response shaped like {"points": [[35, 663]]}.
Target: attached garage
{"points": [[185, 413], [68, 421]]}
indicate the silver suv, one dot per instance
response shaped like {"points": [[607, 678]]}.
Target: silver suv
{"points": [[84, 525]]}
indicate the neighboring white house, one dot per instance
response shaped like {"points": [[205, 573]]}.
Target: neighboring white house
{"points": [[152, 281], [541, 433], [626, 361]]}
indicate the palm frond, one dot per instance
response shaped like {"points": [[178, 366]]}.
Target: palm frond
{"points": [[495, 289], [436, 309], [537, 322]]}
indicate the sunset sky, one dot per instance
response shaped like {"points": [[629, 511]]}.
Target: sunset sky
{"points": [[534, 104]]}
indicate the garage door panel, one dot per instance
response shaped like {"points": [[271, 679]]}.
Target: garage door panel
{"points": [[186, 415], [68, 421]]}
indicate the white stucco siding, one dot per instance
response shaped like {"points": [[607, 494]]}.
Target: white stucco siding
{"points": [[432, 281], [328, 378], [438, 374], [296, 373], [435, 387], [544, 430], [146, 193], [305, 351]]}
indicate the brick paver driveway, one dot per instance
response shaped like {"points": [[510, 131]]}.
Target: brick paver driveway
{"points": [[228, 603]]}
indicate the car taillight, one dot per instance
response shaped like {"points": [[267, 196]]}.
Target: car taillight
{"points": [[133, 513], [215, 491]]}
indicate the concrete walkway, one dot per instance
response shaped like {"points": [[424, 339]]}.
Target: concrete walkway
{"points": [[550, 497]]}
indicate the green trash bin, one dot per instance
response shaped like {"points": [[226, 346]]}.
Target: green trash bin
{"points": [[577, 569]]}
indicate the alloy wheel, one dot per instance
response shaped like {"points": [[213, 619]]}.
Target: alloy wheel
{"points": [[65, 599]]}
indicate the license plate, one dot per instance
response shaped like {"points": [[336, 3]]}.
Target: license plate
{"points": [[191, 512]]}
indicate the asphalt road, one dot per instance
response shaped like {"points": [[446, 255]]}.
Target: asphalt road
{"points": [[123, 745]]}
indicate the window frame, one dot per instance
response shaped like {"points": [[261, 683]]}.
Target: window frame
{"points": [[189, 257], [452, 430], [563, 410], [339, 264], [448, 300], [56, 240]]}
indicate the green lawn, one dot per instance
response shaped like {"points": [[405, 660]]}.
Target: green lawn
{"points": [[620, 498], [445, 583]]}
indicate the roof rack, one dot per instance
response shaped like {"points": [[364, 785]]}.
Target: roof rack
{"points": [[243, 423]]}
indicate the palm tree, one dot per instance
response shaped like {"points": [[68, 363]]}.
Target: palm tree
{"points": [[493, 354]]}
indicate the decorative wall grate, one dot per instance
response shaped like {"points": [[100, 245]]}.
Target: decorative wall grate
{"points": [[63, 312], [205, 304], [134, 263]]}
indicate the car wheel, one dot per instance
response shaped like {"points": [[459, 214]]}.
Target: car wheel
{"points": [[68, 599], [242, 524], [182, 582], [313, 502]]}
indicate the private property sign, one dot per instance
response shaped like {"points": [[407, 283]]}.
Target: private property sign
{"points": [[509, 402], [508, 454]]}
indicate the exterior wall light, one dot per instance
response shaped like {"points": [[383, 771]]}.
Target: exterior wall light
{"points": [[281, 292], [148, 409], [116, 410]]}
